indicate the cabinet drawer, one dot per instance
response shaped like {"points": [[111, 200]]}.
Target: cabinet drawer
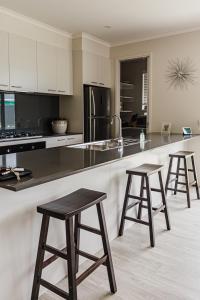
{"points": [[74, 139], [56, 142], [64, 140]]}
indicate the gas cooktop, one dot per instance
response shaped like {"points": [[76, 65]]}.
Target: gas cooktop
{"points": [[14, 135]]}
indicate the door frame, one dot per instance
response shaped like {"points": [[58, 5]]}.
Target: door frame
{"points": [[117, 84]]}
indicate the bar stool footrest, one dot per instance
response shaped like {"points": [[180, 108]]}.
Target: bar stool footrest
{"points": [[180, 191], [56, 252], [136, 220], [137, 197], [54, 289], [154, 208], [158, 209], [91, 269], [174, 173], [88, 256], [90, 229], [51, 259], [133, 204]]}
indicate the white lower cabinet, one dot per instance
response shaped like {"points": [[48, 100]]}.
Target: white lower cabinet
{"points": [[52, 142]]}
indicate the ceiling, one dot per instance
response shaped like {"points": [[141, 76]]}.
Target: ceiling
{"points": [[129, 19]]}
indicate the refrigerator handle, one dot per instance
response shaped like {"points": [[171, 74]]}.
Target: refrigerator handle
{"points": [[93, 102], [94, 113], [90, 116], [94, 130]]}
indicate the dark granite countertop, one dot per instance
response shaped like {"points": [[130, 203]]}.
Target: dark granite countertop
{"points": [[54, 163]]}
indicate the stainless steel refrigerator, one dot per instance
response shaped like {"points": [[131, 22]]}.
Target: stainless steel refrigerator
{"points": [[97, 107]]}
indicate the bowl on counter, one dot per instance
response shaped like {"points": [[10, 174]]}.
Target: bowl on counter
{"points": [[59, 126]]}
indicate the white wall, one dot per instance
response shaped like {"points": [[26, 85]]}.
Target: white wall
{"points": [[180, 107]]}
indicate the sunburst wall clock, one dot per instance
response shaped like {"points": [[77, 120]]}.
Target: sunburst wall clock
{"points": [[181, 73]]}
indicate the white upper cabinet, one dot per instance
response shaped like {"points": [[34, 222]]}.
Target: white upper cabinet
{"points": [[47, 68], [4, 61], [54, 67], [64, 72], [104, 71], [90, 68], [96, 69], [23, 67]]}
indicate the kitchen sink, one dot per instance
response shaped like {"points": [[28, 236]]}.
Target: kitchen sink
{"points": [[106, 144]]}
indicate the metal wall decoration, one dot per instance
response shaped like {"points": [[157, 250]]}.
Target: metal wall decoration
{"points": [[181, 73]]}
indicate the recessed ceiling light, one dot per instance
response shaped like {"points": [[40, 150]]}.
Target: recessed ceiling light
{"points": [[107, 26]]}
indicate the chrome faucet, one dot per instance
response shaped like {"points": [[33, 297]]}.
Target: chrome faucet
{"points": [[120, 138]]}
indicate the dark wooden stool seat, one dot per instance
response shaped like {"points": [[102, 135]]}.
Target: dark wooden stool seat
{"points": [[71, 204], [144, 171], [67, 208], [182, 156]]}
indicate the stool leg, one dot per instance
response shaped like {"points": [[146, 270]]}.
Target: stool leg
{"points": [[168, 174], [141, 195], [106, 247], [195, 177], [128, 187], [187, 182], [149, 205], [40, 257], [77, 238], [164, 201], [177, 176], [71, 261]]}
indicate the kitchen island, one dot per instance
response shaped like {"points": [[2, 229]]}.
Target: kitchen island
{"points": [[55, 173]]}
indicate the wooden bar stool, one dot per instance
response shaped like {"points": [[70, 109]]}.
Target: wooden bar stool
{"points": [[182, 172], [145, 171], [65, 209]]}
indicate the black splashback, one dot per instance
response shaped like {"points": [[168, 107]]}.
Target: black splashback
{"points": [[28, 112]]}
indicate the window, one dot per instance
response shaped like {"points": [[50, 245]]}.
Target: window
{"points": [[145, 90]]}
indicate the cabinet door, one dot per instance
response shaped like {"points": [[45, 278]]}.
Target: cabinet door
{"points": [[47, 68], [90, 68], [4, 61], [104, 67], [64, 72], [22, 53]]}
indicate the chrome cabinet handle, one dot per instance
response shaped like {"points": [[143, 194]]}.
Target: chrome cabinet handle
{"points": [[94, 82], [60, 140], [16, 86], [51, 90], [61, 91], [3, 84], [101, 83], [70, 138]]}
